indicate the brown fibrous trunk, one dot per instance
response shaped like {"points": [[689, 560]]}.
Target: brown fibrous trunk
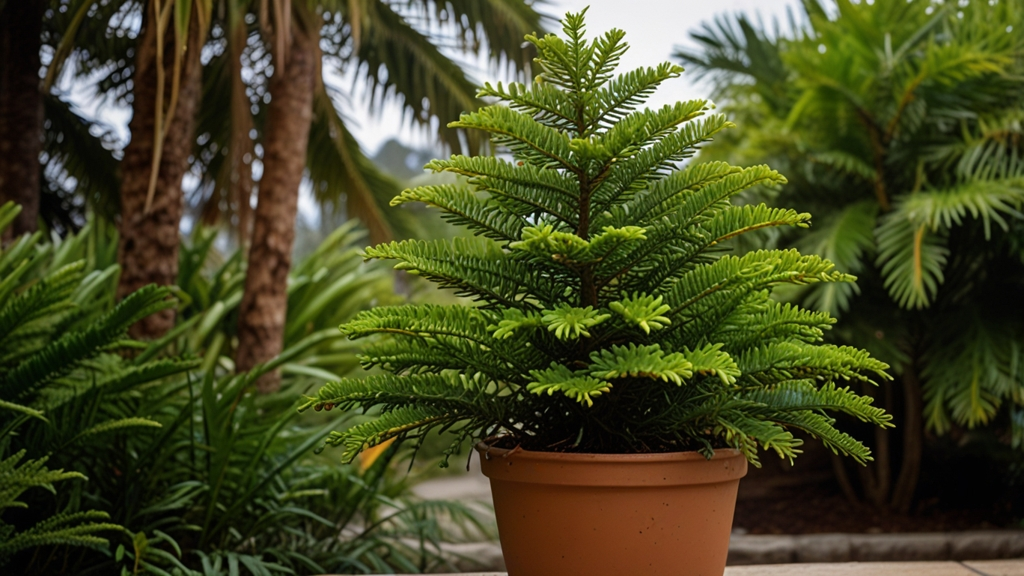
{"points": [[148, 250], [21, 110], [261, 317], [242, 148], [913, 440]]}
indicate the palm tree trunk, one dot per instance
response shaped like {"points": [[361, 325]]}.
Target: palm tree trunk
{"points": [[148, 252], [242, 148], [913, 440], [262, 314], [21, 110]]}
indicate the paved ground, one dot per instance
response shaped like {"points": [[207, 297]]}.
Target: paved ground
{"points": [[761, 550], [470, 486], [981, 568]]}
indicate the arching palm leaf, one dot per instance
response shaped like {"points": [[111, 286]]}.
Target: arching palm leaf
{"points": [[902, 122]]}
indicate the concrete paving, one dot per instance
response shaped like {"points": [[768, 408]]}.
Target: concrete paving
{"points": [[997, 567], [981, 568], [1006, 568], [745, 549]]}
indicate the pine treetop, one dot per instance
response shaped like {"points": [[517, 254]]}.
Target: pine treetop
{"points": [[608, 314]]}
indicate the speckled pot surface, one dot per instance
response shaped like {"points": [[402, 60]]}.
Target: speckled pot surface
{"points": [[613, 515]]}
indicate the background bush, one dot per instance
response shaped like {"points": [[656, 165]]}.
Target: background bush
{"points": [[899, 125], [159, 458]]}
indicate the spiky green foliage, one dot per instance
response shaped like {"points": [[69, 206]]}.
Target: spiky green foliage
{"points": [[607, 319], [55, 360], [163, 464], [901, 125], [75, 529]]}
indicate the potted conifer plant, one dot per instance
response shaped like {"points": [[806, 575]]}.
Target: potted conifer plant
{"points": [[620, 365]]}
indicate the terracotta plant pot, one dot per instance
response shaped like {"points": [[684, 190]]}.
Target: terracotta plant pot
{"points": [[613, 515]]}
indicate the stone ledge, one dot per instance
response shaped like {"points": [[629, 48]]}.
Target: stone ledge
{"points": [[818, 548], [931, 547]]}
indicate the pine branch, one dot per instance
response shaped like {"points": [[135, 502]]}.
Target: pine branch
{"points": [[604, 309]]}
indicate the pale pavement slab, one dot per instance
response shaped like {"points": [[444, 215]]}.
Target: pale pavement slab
{"points": [[855, 569], [997, 567], [977, 568]]}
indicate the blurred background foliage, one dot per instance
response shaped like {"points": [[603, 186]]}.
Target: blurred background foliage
{"points": [[120, 456], [899, 126]]}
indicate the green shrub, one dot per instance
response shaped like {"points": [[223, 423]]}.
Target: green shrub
{"points": [[162, 449], [55, 369], [608, 318], [900, 123]]}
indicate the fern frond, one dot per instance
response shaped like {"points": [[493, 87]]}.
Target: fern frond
{"points": [[61, 356], [119, 424], [823, 428], [446, 390], [783, 361], [801, 395], [16, 477], [714, 361], [545, 103], [655, 162], [578, 386], [464, 208], [972, 370], [40, 299], [626, 93], [912, 259], [745, 432], [23, 410], [846, 240], [571, 322], [633, 361], [542, 145], [986, 200], [77, 529], [643, 311], [391, 424], [761, 320], [474, 267]]}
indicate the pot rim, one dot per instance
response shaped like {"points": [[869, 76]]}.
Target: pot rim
{"points": [[487, 451], [610, 470]]}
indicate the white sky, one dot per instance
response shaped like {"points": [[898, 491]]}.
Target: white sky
{"points": [[653, 28]]}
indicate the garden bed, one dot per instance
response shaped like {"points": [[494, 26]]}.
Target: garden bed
{"points": [[817, 510]]}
